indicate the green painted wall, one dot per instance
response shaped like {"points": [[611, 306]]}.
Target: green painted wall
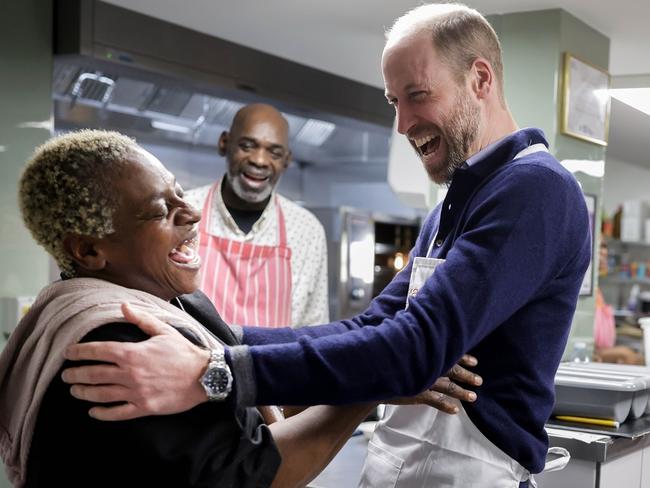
{"points": [[25, 97], [533, 48]]}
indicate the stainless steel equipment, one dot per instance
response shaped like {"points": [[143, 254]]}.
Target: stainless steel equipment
{"points": [[365, 250]]}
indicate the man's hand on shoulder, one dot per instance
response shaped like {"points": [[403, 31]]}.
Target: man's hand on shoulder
{"points": [[158, 376]]}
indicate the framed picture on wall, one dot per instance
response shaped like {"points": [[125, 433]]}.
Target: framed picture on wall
{"points": [[587, 288], [585, 101]]}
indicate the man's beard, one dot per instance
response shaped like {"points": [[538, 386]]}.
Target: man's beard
{"points": [[245, 194], [460, 133]]}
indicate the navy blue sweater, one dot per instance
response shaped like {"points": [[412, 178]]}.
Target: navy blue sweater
{"points": [[515, 236]]}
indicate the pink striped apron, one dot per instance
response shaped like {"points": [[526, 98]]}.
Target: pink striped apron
{"points": [[249, 284]]}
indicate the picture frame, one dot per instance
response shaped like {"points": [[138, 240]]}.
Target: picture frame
{"points": [[587, 288], [585, 101]]}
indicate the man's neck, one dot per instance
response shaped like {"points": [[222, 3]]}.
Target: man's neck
{"points": [[497, 124], [232, 200]]}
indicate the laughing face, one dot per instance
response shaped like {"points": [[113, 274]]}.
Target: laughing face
{"points": [[256, 150], [154, 246], [436, 113]]}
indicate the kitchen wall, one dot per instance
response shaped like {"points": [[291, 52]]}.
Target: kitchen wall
{"points": [[25, 121], [534, 44], [624, 181], [25, 98]]}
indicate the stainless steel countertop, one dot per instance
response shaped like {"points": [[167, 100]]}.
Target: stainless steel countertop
{"points": [[611, 446]]}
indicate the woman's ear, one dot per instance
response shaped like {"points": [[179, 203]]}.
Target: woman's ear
{"points": [[84, 251]]}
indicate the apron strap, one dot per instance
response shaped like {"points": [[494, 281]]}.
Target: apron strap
{"points": [[207, 210], [282, 231]]}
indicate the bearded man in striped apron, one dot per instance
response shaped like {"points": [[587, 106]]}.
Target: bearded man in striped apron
{"points": [[264, 257]]}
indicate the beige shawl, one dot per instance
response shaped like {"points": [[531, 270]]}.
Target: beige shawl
{"points": [[64, 312]]}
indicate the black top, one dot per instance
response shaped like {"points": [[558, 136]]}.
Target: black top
{"points": [[208, 446], [245, 219]]}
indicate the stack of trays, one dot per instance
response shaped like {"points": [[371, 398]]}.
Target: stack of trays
{"points": [[603, 391]]}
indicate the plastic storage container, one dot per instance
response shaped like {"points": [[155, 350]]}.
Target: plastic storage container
{"points": [[641, 397], [585, 392]]}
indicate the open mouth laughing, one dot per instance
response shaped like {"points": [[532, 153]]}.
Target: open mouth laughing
{"points": [[255, 179], [185, 254], [426, 145]]}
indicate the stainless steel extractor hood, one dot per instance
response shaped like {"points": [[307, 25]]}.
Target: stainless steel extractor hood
{"points": [[118, 69]]}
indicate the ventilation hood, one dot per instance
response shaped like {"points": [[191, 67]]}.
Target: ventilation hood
{"points": [[160, 82]]}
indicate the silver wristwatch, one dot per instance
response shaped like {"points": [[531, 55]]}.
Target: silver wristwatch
{"points": [[217, 379]]}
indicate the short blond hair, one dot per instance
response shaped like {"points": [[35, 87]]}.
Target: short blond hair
{"points": [[66, 189], [460, 35]]}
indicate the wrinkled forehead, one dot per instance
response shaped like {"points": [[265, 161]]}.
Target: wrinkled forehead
{"points": [[409, 60], [141, 160], [411, 44], [266, 127], [142, 174]]}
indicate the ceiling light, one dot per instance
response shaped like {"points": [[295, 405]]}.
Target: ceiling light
{"points": [[315, 132], [157, 124], [638, 98], [41, 124]]}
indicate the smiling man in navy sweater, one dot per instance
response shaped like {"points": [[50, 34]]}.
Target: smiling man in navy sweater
{"points": [[509, 245]]}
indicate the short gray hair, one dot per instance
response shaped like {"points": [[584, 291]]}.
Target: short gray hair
{"points": [[66, 189], [460, 35]]}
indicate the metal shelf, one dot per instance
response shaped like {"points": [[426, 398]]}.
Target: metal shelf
{"points": [[617, 280], [618, 242]]}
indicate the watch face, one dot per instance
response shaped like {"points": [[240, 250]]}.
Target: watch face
{"points": [[218, 380]]}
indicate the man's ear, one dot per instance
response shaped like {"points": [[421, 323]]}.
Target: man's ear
{"points": [[287, 159], [482, 78], [85, 251], [222, 145]]}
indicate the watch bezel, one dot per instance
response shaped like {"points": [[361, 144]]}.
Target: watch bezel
{"points": [[214, 376]]}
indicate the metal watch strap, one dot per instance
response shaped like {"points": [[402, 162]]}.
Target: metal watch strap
{"points": [[217, 357], [217, 378]]}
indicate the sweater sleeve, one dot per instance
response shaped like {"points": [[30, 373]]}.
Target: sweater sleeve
{"points": [[386, 304], [508, 251]]}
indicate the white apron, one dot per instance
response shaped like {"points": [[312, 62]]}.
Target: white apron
{"points": [[417, 446]]}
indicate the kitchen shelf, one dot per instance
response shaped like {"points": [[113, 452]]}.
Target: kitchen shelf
{"points": [[617, 280], [618, 242], [616, 286]]}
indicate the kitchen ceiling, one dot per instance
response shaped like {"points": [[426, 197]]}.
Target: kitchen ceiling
{"points": [[346, 38]]}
